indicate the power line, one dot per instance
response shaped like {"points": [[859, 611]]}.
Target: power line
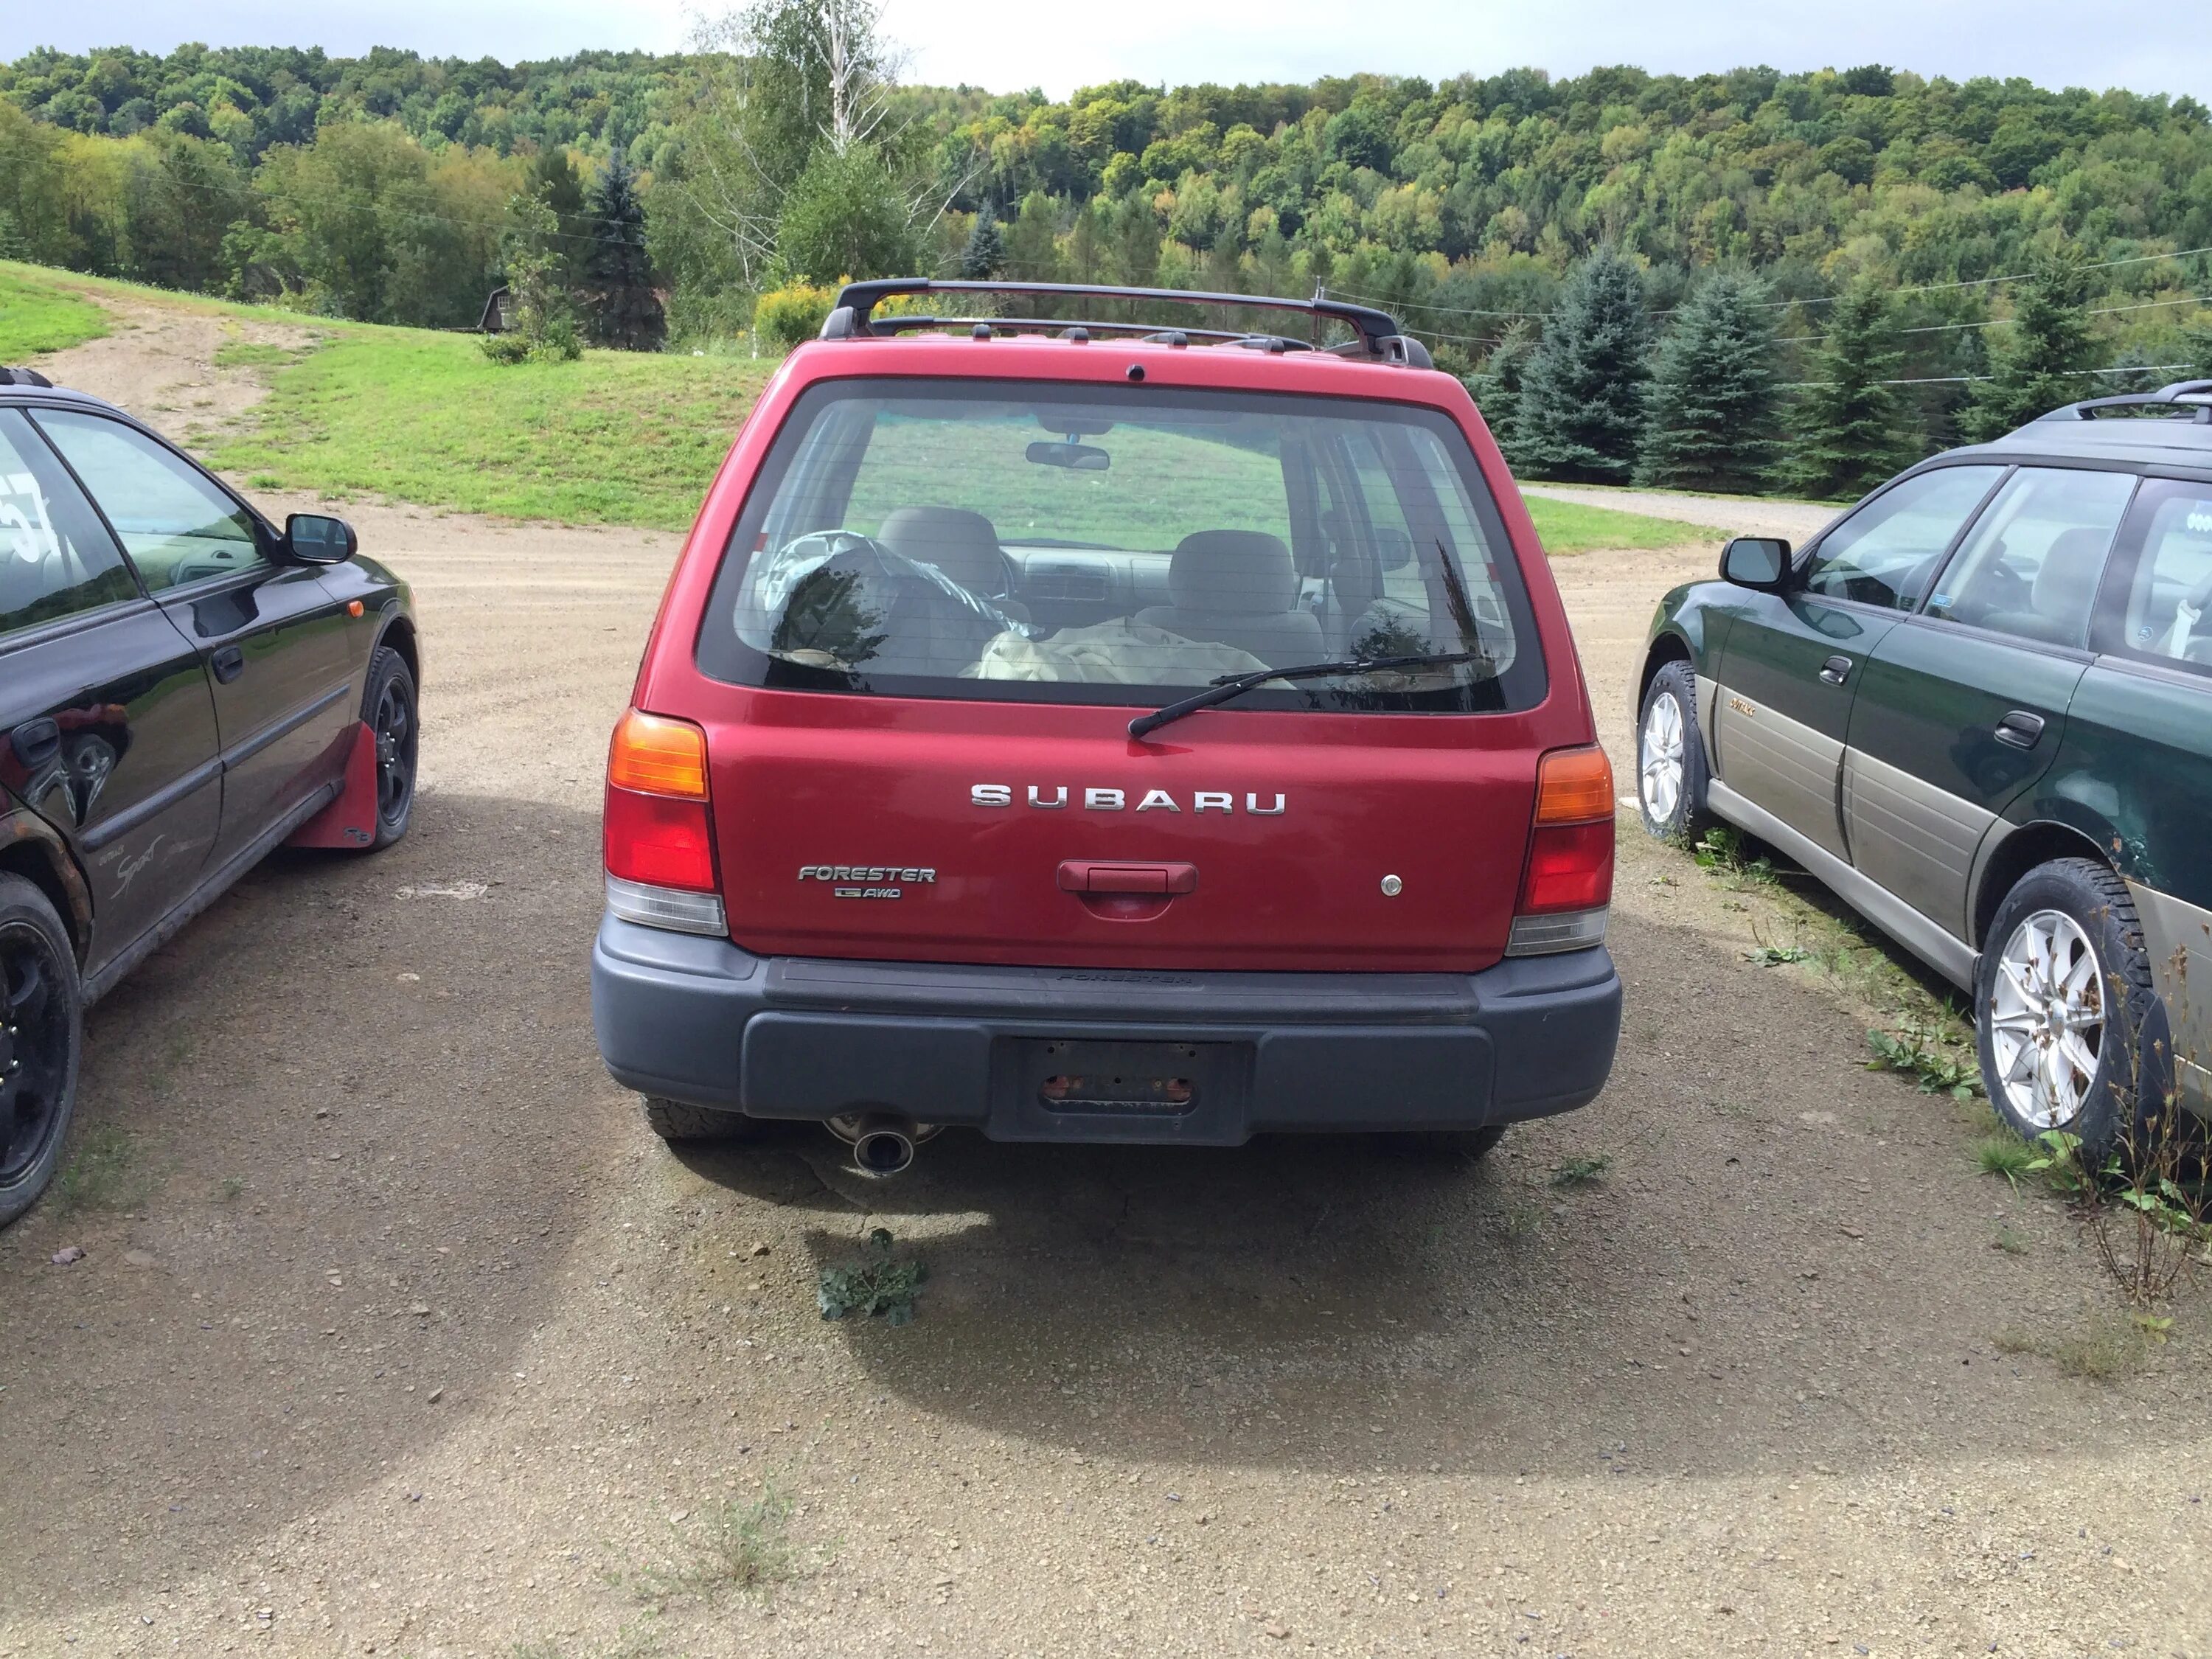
{"points": [[1962, 380]]}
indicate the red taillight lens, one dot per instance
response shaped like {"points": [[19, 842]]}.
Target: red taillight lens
{"points": [[658, 830], [1569, 868], [1570, 846], [659, 842]]}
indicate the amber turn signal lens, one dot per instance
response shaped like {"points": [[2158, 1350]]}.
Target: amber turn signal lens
{"points": [[1574, 786], [655, 756]]}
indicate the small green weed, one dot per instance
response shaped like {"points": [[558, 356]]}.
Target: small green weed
{"points": [[1580, 1172], [1721, 850], [1924, 1055], [2003, 1154], [1776, 955], [228, 1189], [106, 1174], [2109, 1351], [879, 1282], [2010, 1240]]}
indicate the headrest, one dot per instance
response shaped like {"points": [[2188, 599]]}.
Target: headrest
{"points": [[1240, 572], [2066, 581], [964, 545]]}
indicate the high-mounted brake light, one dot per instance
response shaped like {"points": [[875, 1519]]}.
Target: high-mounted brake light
{"points": [[1568, 883], [659, 835]]}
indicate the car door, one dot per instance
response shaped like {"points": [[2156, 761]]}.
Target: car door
{"points": [[1788, 668], [106, 724], [274, 636], [1961, 706]]}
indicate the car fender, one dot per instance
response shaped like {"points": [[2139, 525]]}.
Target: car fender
{"points": [[63, 881]]}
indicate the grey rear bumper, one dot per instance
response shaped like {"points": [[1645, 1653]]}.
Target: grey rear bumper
{"points": [[702, 1021]]}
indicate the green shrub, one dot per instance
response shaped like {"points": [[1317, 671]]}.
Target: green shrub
{"points": [[786, 316]]}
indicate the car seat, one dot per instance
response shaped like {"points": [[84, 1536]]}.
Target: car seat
{"points": [[2064, 589], [1238, 588], [963, 544]]}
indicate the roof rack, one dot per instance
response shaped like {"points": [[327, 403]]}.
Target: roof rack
{"points": [[24, 377], [2190, 400], [1380, 335]]}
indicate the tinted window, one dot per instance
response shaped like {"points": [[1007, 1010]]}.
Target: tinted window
{"points": [[56, 559], [1887, 552], [2032, 562], [2168, 616], [1119, 545], [177, 525]]}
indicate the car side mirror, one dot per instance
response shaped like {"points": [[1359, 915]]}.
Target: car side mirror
{"points": [[1756, 562], [312, 538]]}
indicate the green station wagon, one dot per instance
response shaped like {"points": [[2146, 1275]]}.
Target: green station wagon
{"points": [[1979, 705]]}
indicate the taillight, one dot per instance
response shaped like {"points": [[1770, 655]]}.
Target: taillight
{"points": [[1568, 882], [657, 830]]}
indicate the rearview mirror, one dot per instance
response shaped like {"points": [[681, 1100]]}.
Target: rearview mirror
{"points": [[312, 538], [1756, 562], [1077, 458], [1394, 547]]}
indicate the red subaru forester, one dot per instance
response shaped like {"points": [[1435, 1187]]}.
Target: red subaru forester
{"points": [[1108, 732]]}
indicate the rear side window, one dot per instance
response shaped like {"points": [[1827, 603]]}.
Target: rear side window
{"points": [[1041, 543], [2032, 563], [56, 559], [2168, 606], [1888, 552]]}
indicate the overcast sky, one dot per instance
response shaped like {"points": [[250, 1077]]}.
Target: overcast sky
{"points": [[2150, 45]]}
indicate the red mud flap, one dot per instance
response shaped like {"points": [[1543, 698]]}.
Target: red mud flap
{"points": [[350, 820]]}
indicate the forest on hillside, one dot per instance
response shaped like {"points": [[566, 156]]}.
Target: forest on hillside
{"points": [[1813, 230]]}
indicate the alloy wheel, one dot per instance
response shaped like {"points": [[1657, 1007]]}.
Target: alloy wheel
{"points": [[394, 727], [35, 1042], [1659, 757], [2047, 1018]]}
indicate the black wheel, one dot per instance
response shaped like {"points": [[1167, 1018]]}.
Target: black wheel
{"points": [[389, 707], [1469, 1144], [671, 1120], [41, 1034], [2065, 986], [1671, 768]]}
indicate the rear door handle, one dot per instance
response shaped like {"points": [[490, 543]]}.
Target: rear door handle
{"points": [[36, 742], [2020, 729], [1097, 876], [227, 663], [1835, 670]]}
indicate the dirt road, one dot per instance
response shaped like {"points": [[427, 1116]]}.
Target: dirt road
{"points": [[400, 1334]]}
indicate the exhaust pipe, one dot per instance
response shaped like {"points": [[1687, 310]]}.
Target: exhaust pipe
{"points": [[883, 1146]]}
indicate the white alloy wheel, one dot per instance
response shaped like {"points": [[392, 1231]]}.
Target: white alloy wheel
{"points": [[1659, 757], [2047, 1018]]}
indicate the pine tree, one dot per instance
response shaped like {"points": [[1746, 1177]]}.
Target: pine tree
{"points": [[623, 310], [1849, 431], [1496, 387], [1581, 412], [2038, 366], [985, 255], [1711, 408], [552, 179]]}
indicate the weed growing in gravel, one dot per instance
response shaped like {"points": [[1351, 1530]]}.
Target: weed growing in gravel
{"points": [[105, 1175], [1776, 955], [2003, 1154], [228, 1189], [2010, 1240], [744, 1544], [1930, 1057], [2110, 1351], [629, 1644], [1721, 850], [879, 1282], [1580, 1172]]}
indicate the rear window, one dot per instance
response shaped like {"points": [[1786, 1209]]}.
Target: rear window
{"points": [[1052, 544]]}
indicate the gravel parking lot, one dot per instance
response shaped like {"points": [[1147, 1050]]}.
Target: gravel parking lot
{"points": [[396, 1332]]}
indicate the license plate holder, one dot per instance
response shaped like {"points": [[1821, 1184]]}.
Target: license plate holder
{"points": [[1073, 1088]]}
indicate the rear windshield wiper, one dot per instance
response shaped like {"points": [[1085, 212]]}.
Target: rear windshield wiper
{"points": [[1235, 685]]}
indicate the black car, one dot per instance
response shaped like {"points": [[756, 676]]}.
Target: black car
{"points": [[183, 686], [1979, 706]]}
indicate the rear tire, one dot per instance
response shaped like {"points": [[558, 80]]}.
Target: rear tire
{"points": [[41, 1043], [389, 707], [674, 1121], [1672, 770], [2064, 988], [1469, 1144]]}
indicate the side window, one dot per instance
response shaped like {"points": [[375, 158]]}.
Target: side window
{"points": [[56, 558], [2168, 617], [1888, 552], [176, 524], [2032, 563]]}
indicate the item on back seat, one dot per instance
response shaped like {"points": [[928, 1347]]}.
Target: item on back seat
{"points": [[841, 600], [1238, 588], [1118, 652], [964, 545]]}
